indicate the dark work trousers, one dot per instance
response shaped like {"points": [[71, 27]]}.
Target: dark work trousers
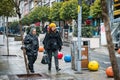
{"points": [[50, 54], [31, 61]]}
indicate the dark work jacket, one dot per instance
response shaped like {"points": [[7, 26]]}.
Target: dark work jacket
{"points": [[52, 35], [31, 44]]}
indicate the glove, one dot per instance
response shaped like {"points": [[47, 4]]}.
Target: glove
{"points": [[60, 48]]}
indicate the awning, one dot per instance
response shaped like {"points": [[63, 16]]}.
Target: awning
{"points": [[37, 24]]}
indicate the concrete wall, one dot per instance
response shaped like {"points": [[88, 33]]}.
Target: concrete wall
{"points": [[94, 42]]}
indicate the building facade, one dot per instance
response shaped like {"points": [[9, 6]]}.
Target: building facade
{"points": [[27, 6]]}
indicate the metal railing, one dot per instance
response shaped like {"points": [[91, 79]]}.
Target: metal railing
{"points": [[116, 34], [115, 31]]}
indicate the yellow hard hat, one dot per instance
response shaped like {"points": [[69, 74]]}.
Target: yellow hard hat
{"points": [[52, 25]]}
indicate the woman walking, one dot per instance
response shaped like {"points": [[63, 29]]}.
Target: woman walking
{"points": [[31, 45], [52, 44]]}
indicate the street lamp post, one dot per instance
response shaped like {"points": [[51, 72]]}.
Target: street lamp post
{"points": [[79, 36]]}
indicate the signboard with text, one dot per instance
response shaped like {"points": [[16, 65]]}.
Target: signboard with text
{"points": [[103, 34]]}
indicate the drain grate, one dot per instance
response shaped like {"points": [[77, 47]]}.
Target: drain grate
{"points": [[29, 75], [9, 55], [33, 76]]}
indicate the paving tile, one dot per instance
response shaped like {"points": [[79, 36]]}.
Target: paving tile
{"points": [[4, 77]]}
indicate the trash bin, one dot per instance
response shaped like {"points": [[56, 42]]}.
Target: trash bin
{"points": [[85, 55]]}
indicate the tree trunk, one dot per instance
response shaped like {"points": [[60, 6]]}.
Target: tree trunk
{"points": [[24, 51], [7, 36], [16, 3], [111, 50]]}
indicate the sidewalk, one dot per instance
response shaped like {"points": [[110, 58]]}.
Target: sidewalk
{"points": [[11, 66], [104, 50]]}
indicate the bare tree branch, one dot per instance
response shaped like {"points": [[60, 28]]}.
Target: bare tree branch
{"points": [[16, 3]]}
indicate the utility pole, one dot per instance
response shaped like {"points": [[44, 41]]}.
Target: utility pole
{"points": [[79, 36]]}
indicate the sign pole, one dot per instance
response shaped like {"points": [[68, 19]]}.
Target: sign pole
{"points": [[79, 36]]}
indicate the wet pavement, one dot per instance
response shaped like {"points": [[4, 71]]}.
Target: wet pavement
{"points": [[13, 65]]}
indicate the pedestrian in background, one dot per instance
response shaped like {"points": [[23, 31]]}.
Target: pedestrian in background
{"points": [[66, 26], [45, 28], [52, 44], [31, 46]]}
